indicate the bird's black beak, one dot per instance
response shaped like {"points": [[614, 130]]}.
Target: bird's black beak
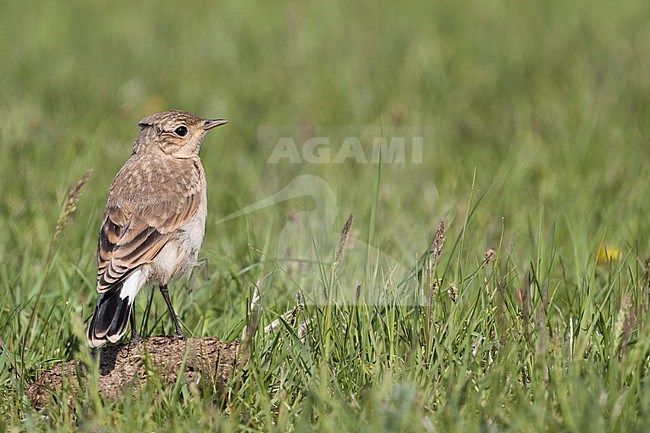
{"points": [[213, 123]]}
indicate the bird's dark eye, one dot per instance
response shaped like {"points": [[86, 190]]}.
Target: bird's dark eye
{"points": [[181, 131]]}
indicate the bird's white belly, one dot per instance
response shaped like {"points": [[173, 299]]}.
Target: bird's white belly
{"points": [[179, 256]]}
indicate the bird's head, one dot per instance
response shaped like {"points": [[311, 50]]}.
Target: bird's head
{"points": [[177, 133]]}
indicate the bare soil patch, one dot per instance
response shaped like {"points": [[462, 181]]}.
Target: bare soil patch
{"points": [[126, 367]]}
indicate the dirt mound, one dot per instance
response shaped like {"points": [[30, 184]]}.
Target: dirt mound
{"points": [[126, 367]]}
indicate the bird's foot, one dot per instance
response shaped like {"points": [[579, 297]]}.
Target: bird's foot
{"points": [[177, 336]]}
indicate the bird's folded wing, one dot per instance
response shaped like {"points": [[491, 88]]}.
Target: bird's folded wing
{"points": [[134, 230]]}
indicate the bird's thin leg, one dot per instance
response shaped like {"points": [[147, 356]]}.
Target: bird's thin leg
{"points": [[135, 337], [165, 293]]}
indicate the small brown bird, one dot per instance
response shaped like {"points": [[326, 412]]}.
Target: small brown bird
{"points": [[154, 220]]}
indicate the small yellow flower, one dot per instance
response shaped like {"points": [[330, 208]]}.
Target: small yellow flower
{"points": [[608, 254]]}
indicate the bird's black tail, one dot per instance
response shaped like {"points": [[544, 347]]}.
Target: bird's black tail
{"points": [[110, 319]]}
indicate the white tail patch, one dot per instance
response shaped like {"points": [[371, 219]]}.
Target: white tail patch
{"points": [[133, 284]]}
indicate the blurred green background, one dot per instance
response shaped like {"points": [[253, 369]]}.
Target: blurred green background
{"points": [[547, 101], [541, 107]]}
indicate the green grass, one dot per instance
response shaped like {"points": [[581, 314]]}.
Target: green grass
{"points": [[535, 146]]}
